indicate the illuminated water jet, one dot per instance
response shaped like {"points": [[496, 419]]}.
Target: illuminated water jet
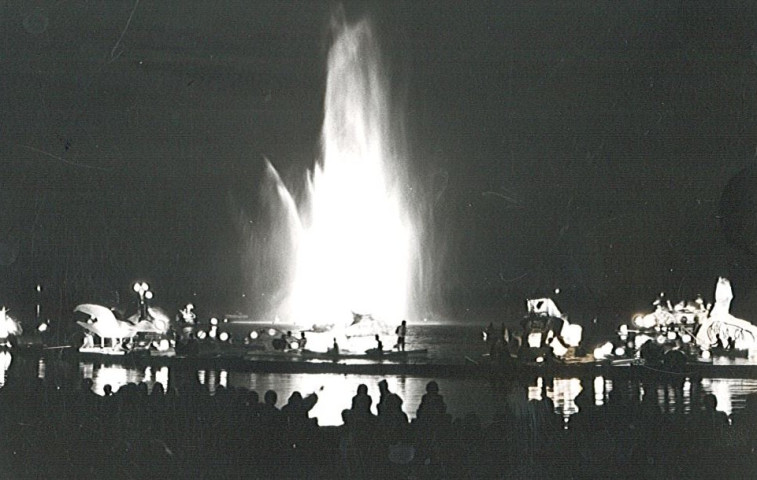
{"points": [[348, 246], [355, 253]]}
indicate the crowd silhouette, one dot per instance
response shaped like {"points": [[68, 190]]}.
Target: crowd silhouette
{"points": [[54, 431]]}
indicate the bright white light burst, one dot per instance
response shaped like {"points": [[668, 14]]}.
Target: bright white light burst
{"points": [[355, 251]]}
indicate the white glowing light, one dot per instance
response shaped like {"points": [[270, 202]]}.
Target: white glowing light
{"points": [[558, 348], [8, 326], [661, 339], [164, 345], [623, 330], [42, 327], [214, 321], [356, 250], [706, 355], [571, 334], [599, 391], [161, 376], [603, 351], [534, 340], [160, 324], [223, 336], [644, 321], [640, 340], [201, 334], [686, 338], [294, 345], [213, 331], [620, 351], [672, 335], [5, 363], [253, 335]]}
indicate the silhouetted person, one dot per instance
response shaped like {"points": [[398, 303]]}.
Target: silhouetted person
{"points": [[432, 408], [298, 408], [731, 345], [718, 341], [379, 345], [303, 341], [710, 414], [401, 332], [383, 395], [361, 402], [269, 413]]}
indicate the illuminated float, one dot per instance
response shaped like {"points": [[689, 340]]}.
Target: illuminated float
{"points": [[547, 332], [105, 334], [9, 328], [688, 330]]}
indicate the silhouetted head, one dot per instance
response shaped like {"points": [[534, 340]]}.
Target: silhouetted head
{"points": [[377, 337], [157, 389], [295, 398], [270, 397], [432, 387], [302, 334], [710, 402], [383, 386], [107, 389], [362, 389], [254, 397], [404, 322]]}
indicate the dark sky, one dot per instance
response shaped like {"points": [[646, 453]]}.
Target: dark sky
{"points": [[579, 145]]}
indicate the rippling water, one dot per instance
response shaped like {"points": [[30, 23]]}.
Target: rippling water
{"points": [[446, 344]]}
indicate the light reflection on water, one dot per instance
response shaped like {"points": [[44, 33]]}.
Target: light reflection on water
{"points": [[462, 396]]}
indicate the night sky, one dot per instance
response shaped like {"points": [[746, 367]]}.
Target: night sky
{"points": [[604, 148]]}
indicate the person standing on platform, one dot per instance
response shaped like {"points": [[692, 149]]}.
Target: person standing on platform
{"points": [[401, 332]]}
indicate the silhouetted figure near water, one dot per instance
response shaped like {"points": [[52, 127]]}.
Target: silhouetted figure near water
{"points": [[731, 345], [401, 332], [432, 409], [361, 403], [745, 432], [384, 393], [297, 409], [392, 420], [270, 415]]}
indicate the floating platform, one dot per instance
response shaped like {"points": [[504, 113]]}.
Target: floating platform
{"points": [[408, 367]]}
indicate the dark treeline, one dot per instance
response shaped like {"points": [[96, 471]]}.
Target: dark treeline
{"points": [[187, 432]]}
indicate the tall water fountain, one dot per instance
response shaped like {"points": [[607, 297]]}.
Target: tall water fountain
{"points": [[354, 243]]}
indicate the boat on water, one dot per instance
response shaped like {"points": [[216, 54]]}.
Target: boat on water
{"points": [[336, 356]]}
